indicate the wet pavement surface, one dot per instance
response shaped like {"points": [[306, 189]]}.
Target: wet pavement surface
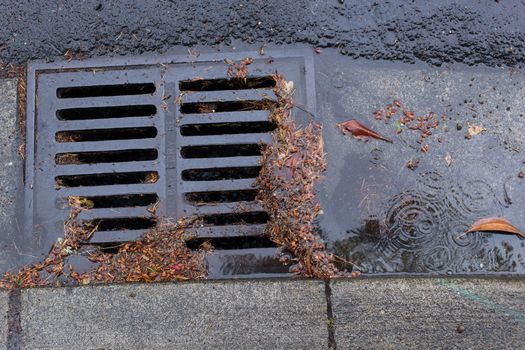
{"points": [[459, 60], [381, 214], [386, 217]]}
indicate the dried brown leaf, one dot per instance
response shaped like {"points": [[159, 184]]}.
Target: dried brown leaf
{"points": [[495, 224]]}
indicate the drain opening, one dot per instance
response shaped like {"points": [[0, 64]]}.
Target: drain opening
{"points": [[226, 128], [225, 243], [226, 106], [110, 247], [227, 84], [90, 135], [216, 151], [106, 112], [116, 201], [197, 198], [120, 224], [105, 179], [129, 155], [249, 218], [214, 174], [106, 90]]}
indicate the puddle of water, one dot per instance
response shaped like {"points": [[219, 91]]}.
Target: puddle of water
{"points": [[387, 218]]}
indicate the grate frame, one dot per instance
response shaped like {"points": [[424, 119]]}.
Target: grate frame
{"points": [[166, 72]]}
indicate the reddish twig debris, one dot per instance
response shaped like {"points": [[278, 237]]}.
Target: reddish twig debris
{"points": [[292, 164], [238, 70], [359, 131], [160, 254], [405, 118]]}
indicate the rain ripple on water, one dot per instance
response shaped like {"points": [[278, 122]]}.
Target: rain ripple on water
{"points": [[421, 229]]}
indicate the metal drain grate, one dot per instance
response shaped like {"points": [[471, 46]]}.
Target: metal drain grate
{"points": [[223, 128], [115, 136], [98, 136]]}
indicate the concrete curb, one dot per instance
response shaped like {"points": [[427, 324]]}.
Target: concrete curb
{"points": [[241, 315], [367, 313], [429, 313]]}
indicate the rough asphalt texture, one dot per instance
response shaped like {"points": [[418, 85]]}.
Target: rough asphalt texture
{"points": [[471, 32], [410, 313]]}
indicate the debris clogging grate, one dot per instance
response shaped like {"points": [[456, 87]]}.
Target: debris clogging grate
{"points": [[144, 141]]}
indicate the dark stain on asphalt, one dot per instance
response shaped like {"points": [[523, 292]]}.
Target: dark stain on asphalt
{"points": [[465, 31]]}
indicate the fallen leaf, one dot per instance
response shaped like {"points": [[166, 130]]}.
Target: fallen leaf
{"points": [[495, 224], [448, 159], [359, 131], [474, 129]]}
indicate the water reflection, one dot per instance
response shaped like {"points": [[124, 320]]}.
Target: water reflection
{"points": [[420, 229], [245, 262]]}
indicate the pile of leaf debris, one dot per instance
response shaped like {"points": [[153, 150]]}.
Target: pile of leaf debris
{"points": [[292, 164], [159, 255]]}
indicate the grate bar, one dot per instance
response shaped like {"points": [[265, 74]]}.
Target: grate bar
{"points": [[223, 208], [221, 185], [231, 95], [230, 231], [109, 190], [117, 237], [106, 145], [225, 139], [225, 117], [135, 100], [204, 163], [115, 213], [103, 167], [106, 123]]}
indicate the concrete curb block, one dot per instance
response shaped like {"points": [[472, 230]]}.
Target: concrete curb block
{"points": [[4, 308], [429, 313], [244, 314]]}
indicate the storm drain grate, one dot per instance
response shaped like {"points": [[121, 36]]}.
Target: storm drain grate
{"points": [[143, 142], [224, 126], [98, 136]]}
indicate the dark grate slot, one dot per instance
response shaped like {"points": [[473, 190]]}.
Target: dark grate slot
{"points": [[214, 174], [221, 243], [129, 155], [221, 196], [117, 201], [106, 112], [106, 90], [109, 247], [226, 128], [106, 134], [119, 224], [106, 179], [226, 106], [256, 217], [227, 84], [215, 151]]}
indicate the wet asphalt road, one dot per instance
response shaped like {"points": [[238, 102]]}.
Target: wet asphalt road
{"points": [[437, 32]]}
